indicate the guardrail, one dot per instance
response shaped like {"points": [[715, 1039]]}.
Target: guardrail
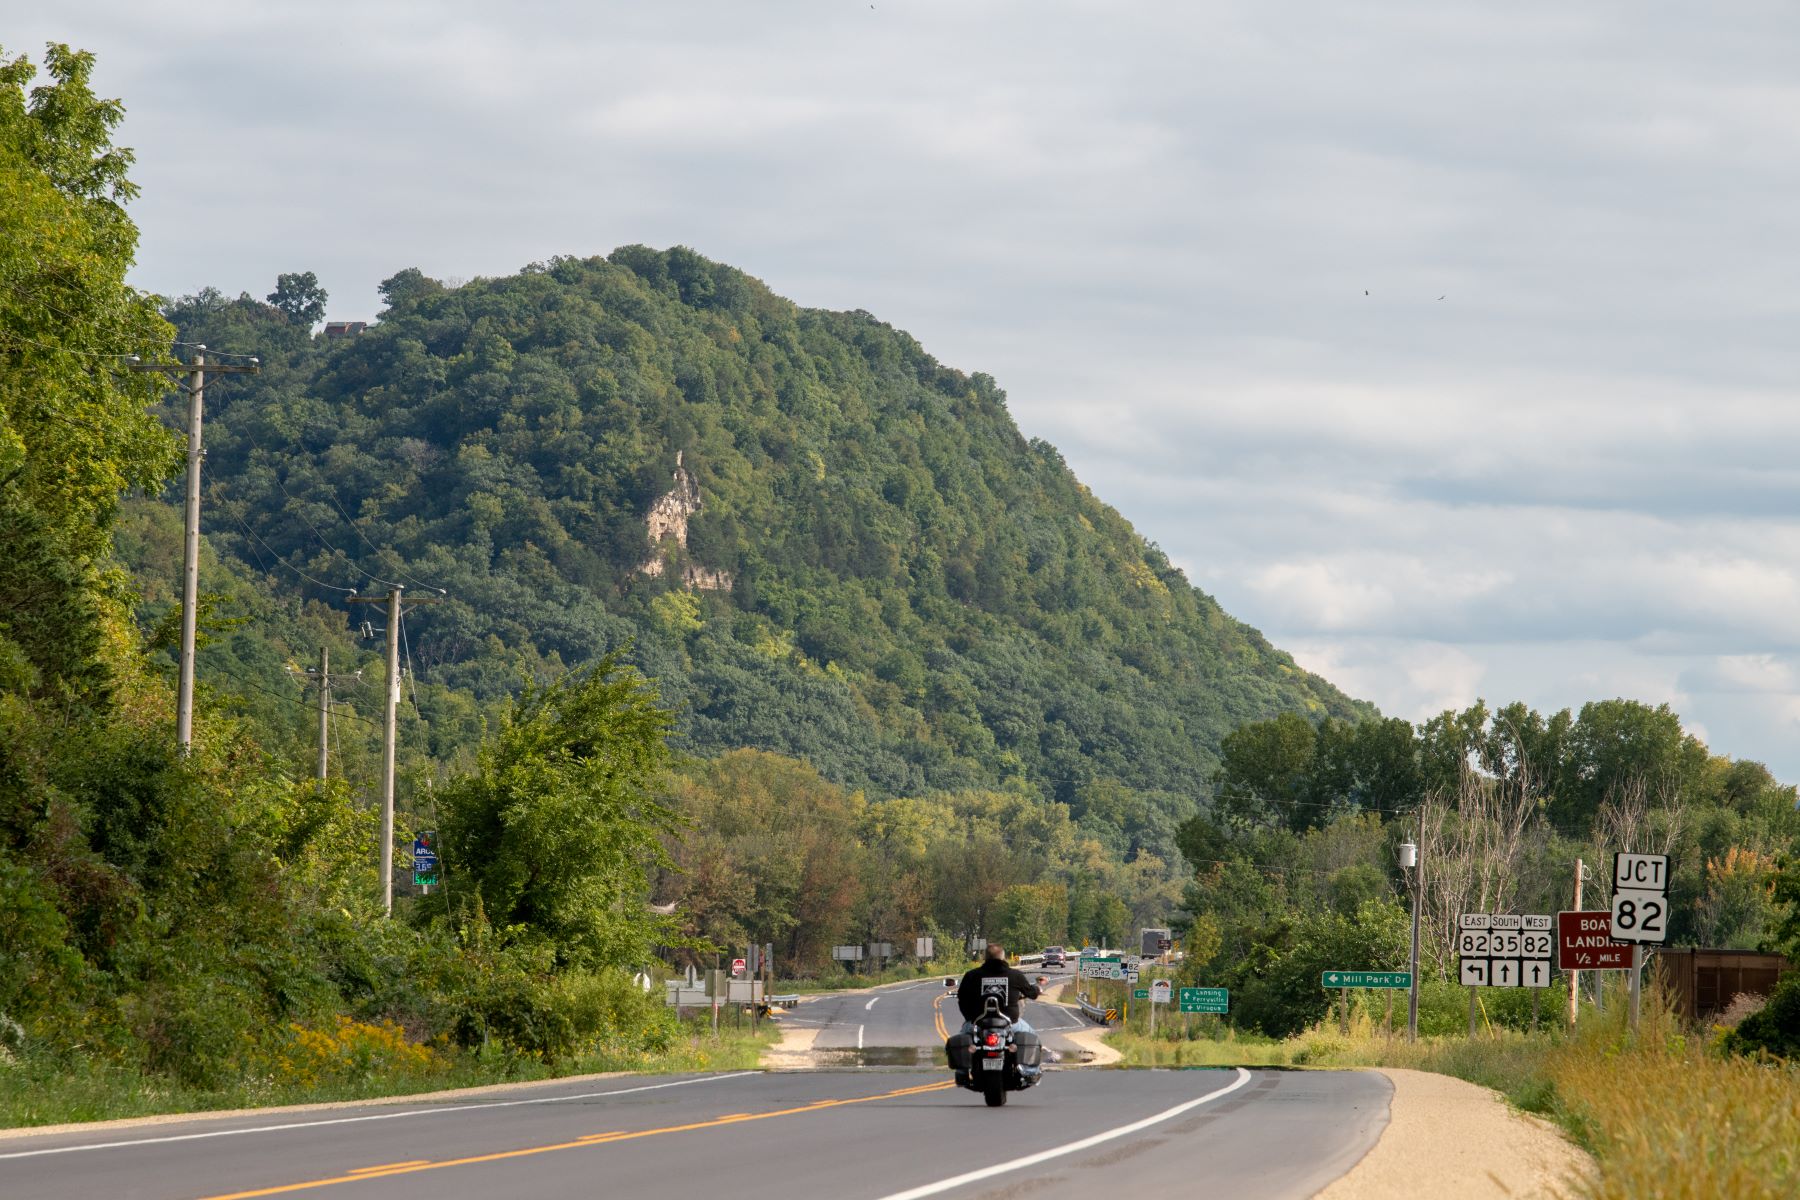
{"points": [[1092, 1011], [787, 1001]]}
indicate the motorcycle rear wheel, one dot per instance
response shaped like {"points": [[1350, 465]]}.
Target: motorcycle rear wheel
{"points": [[993, 1089]]}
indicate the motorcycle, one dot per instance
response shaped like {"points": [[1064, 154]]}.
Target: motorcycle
{"points": [[996, 1058]]}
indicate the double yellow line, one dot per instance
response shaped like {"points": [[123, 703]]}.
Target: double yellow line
{"points": [[389, 1170]]}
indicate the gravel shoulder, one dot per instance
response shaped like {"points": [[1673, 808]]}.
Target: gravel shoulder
{"points": [[1448, 1137]]}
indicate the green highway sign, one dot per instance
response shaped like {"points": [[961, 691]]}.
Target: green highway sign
{"points": [[1366, 979], [1140, 993], [1205, 1000]]}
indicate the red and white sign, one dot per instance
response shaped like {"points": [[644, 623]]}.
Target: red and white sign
{"points": [[1584, 943], [737, 964]]}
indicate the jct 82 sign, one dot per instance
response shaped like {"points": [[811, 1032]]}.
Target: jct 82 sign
{"points": [[1504, 950], [1640, 907]]}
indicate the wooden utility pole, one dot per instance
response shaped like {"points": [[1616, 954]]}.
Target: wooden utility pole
{"points": [[1575, 976], [323, 677], [390, 733], [196, 372]]}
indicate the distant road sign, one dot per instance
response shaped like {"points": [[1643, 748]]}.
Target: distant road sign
{"points": [[1640, 907], [738, 967], [1584, 943], [1100, 968], [1366, 979], [1205, 1000], [425, 859], [1140, 993], [1159, 991]]}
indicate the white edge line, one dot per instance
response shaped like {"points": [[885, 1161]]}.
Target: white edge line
{"points": [[417, 1112], [1030, 1160]]}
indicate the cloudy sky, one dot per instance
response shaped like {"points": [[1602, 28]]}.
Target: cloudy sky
{"points": [[1450, 344]]}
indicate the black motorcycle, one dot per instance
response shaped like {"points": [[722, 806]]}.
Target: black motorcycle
{"points": [[996, 1058]]}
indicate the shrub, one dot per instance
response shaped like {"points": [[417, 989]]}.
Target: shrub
{"points": [[1774, 1028]]}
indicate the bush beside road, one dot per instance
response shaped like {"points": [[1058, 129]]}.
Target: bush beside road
{"points": [[353, 1064]]}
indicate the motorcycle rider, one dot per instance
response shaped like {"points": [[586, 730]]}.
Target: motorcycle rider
{"points": [[976, 987]]}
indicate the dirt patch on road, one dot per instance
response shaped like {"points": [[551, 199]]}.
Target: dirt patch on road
{"points": [[793, 1052], [1090, 1039], [1448, 1137]]}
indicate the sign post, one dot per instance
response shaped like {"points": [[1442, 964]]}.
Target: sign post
{"points": [[1640, 911], [1345, 980]]}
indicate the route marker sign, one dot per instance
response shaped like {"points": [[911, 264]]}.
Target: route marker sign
{"points": [[1503, 950], [1205, 1000], [1640, 907], [1584, 943], [1100, 968], [1366, 979]]}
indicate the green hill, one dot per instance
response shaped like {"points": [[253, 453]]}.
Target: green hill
{"points": [[862, 561]]}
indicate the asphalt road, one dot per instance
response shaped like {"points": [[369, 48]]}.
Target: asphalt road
{"points": [[913, 1018], [859, 1133]]}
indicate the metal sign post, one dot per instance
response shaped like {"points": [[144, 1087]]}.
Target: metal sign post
{"points": [[1640, 911]]}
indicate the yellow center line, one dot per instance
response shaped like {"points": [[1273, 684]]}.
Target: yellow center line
{"points": [[937, 1014], [592, 1139], [411, 1162]]}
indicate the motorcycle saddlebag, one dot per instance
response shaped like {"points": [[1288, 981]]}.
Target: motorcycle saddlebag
{"points": [[957, 1050], [1030, 1051]]}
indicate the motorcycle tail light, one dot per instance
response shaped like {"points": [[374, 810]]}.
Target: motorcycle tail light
{"points": [[993, 1039]]}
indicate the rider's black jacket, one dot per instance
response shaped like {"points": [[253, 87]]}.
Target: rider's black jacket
{"points": [[970, 992]]}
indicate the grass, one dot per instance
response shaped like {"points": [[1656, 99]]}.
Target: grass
{"points": [[44, 1092], [1665, 1114]]}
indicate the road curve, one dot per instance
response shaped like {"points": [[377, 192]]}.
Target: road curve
{"points": [[842, 1135], [912, 1017]]}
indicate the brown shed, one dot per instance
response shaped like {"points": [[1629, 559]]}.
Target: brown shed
{"points": [[1702, 982]]}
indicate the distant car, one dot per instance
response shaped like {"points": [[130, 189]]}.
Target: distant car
{"points": [[1054, 957], [1089, 951]]}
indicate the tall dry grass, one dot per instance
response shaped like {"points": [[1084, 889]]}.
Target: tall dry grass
{"points": [[1666, 1115]]}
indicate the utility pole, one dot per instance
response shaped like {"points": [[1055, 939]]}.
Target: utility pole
{"points": [[322, 676], [1575, 976], [1410, 857], [390, 733], [190, 573]]}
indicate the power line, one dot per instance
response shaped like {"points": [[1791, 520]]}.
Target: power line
{"points": [[278, 558], [377, 549], [289, 699], [411, 685], [294, 507]]}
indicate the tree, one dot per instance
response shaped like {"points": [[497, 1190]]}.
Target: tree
{"points": [[76, 429], [1029, 916], [557, 828], [300, 297], [1265, 773]]}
